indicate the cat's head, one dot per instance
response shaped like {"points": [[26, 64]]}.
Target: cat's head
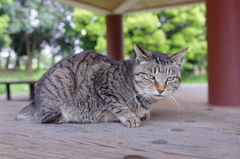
{"points": [[157, 75]]}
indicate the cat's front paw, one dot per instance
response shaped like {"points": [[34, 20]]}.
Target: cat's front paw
{"points": [[146, 116], [132, 122]]}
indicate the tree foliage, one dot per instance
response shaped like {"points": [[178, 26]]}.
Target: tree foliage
{"points": [[37, 24], [91, 28], [168, 31], [4, 20], [34, 25]]}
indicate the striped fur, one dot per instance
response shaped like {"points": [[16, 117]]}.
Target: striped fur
{"points": [[89, 88]]}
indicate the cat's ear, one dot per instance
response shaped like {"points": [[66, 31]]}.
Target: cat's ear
{"points": [[178, 57], [142, 55]]}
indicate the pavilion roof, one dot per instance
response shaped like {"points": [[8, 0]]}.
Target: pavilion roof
{"points": [[128, 6]]}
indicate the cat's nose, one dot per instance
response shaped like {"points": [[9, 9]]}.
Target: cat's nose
{"points": [[160, 91]]}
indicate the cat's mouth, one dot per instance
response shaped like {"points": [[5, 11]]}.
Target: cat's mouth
{"points": [[159, 96]]}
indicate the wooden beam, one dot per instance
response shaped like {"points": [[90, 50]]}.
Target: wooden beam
{"points": [[121, 9], [165, 7], [73, 3]]}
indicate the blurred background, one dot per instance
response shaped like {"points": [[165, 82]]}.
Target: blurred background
{"points": [[36, 34]]}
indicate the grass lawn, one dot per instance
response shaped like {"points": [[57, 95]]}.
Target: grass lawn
{"points": [[192, 78], [18, 76], [36, 75]]}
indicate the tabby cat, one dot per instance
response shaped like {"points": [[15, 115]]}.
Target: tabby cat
{"points": [[90, 87]]}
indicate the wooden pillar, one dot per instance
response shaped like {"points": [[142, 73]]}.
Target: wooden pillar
{"points": [[223, 35], [114, 36]]}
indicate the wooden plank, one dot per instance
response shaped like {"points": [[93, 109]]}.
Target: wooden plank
{"points": [[23, 146]]}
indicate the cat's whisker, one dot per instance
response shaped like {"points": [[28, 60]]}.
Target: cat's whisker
{"points": [[177, 100], [147, 97], [180, 96], [178, 105], [132, 98], [171, 101], [175, 105], [143, 98]]}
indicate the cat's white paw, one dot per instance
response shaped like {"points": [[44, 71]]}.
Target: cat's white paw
{"points": [[132, 122]]}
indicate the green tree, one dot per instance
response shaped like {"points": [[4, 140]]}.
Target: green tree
{"points": [[4, 20], [143, 29], [186, 27], [38, 24], [91, 28], [168, 31]]}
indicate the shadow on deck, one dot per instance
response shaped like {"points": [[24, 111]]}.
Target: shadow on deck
{"points": [[194, 130]]}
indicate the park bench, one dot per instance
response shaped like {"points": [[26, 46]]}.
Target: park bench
{"points": [[31, 86]]}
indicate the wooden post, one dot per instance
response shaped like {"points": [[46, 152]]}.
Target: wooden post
{"points": [[223, 35], [114, 36]]}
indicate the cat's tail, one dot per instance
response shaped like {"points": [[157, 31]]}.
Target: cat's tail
{"points": [[27, 112]]}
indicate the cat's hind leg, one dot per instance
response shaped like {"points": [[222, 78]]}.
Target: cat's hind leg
{"points": [[26, 113], [46, 115], [56, 92]]}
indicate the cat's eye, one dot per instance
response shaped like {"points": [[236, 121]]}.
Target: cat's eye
{"points": [[150, 76], [170, 78]]}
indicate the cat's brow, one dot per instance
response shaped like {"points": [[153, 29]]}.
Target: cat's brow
{"points": [[139, 73]]}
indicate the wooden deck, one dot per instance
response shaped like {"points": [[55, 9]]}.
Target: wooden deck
{"points": [[198, 131]]}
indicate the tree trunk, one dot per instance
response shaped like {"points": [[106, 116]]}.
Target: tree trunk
{"points": [[0, 61], [38, 60], [17, 62], [8, 60], [28, 50], [53, 59], [38, 48]]}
